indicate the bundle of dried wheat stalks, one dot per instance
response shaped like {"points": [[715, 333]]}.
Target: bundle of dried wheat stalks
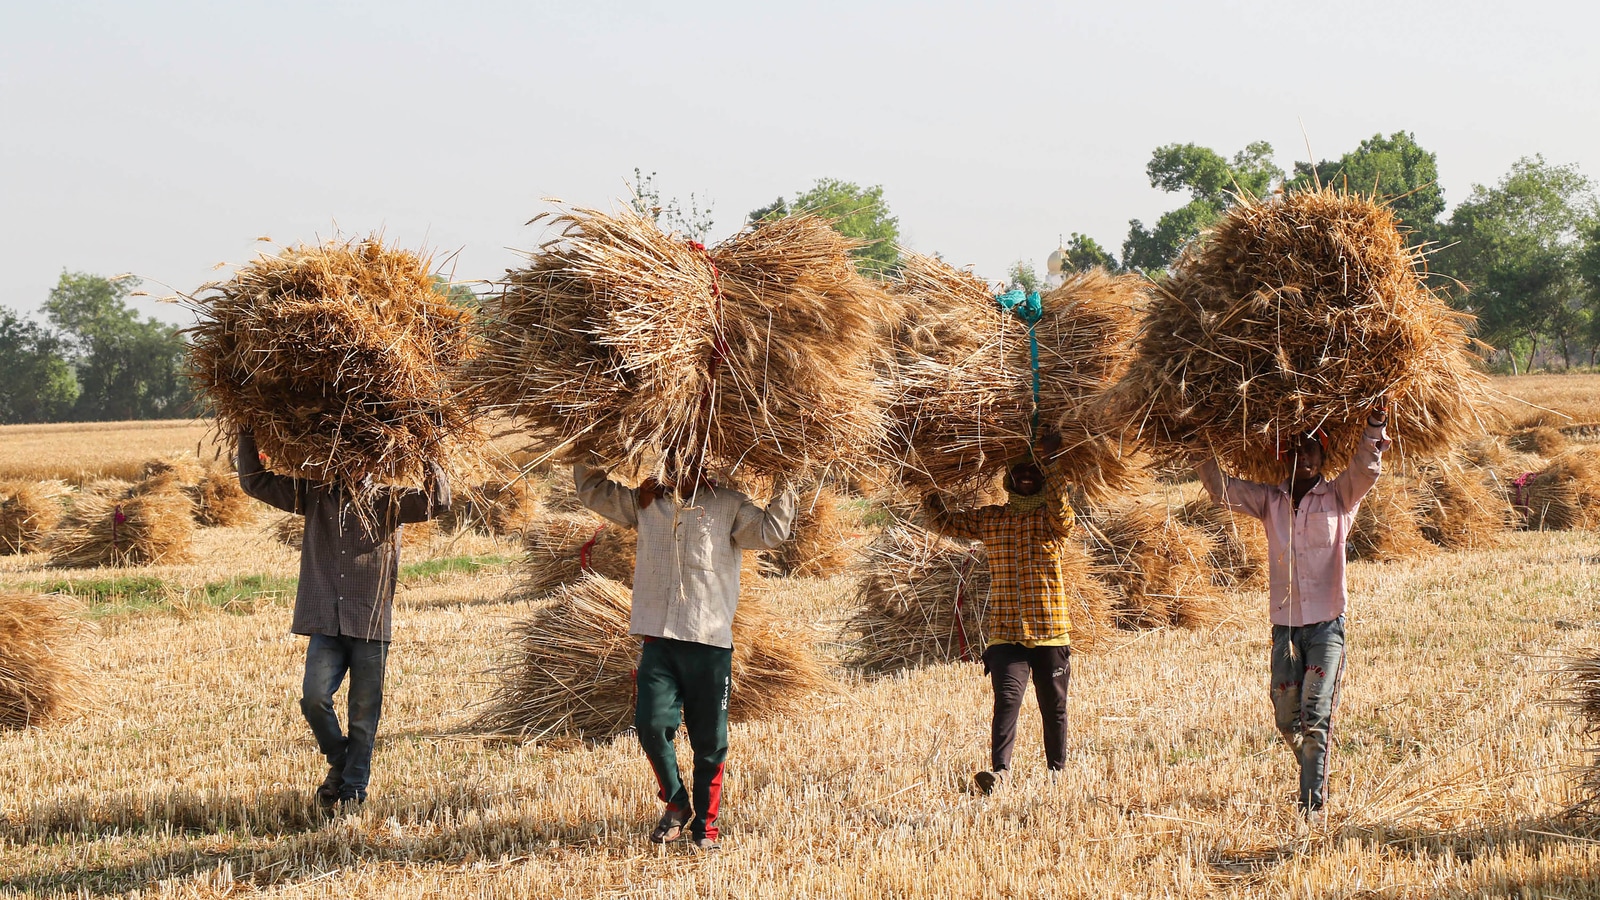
{"points": [[570, 667], [1156, 567], [1298, 312], [339, 357], [148, 523], [964, 387], [29, 511], [42, 673], [624, 342]]}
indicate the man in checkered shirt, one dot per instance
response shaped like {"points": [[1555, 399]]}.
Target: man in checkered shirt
{"points": [[343, 603], [685, 591], [1026, 618]]}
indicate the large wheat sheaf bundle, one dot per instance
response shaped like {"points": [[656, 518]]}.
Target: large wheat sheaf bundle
{"points": [[219, 501], [1459, 511], [338, 356], [29, 511], [183, 468], [558, 549], [964, 387], [922, 599], [756, 355], [1583, 685], [147, 525], [1239, 556], [1564, 494], [819, 543], [42, 671], [1387, 528], [1157, 567], [1540, 439], [1297, 312], [570, 667]]}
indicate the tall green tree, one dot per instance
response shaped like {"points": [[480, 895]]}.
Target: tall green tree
{"points": [[36, 381], [1022, 277], [856, 212], [1589, 271], [1211, 180], [1084, 253], [126, 368], [1395, 168], [1518, 247]]}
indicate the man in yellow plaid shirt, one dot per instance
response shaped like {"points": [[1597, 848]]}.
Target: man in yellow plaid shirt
{"points": [[1026, 619]]}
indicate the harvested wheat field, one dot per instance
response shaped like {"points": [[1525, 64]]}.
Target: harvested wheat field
{"points": [[189, 776]]}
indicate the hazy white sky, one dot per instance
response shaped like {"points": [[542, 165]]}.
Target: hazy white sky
{"points": [[162, 138]]}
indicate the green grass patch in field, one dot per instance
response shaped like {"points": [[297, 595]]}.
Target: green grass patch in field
{"points": [[124, 594], [452, 565]]}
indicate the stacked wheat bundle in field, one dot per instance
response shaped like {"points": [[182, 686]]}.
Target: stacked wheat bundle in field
{"points": [[570, 667], [42, 675], [218, 500], [1294, 313], [1238, 555], [143, 524], [338, 357], [625, 343], [1156, 567], [1387, 527], [29, 511], [819, 545], [922, 599], [964, 378], [506, 506], [1458, 509], [1583, 684], [1563, 494], [559, 548]]}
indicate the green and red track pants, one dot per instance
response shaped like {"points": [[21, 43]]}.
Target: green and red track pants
{"points": [[687, 682]]}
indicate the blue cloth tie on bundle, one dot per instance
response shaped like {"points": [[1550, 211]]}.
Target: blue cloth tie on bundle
{"points": [[1029, 307]]}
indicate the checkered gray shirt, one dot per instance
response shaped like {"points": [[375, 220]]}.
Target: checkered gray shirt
{"points": [[347, 574], [686, 577]]}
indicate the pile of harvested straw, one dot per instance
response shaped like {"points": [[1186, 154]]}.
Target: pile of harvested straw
{"points": [[505, 506], [819, 544], [570, 667], [625, 342], [338, 356], [1157, 567], [150, 523], [29, 511], [913, 584], [1564, 494], [1238, 555], [181, 468], [964, 404], [219, 501], [1459, 511], [1539, 439], [1292, 313], [42, 676], [559, 548], [1583, 685], [1387, 528]]}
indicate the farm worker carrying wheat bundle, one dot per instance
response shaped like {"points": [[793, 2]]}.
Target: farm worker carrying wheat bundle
{"points": [[1307, 520], [1027, 618], [685, 592], [349, 560]]}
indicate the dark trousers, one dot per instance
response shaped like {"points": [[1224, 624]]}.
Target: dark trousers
{"points": [[327, 661], [1307, 668], [687, 682], [1008, 666]]}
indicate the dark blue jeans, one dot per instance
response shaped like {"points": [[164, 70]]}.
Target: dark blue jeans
{"points": [[327, 661], [1307, 667]]}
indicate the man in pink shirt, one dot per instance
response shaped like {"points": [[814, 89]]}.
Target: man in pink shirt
{"points": [[1308, 520]]}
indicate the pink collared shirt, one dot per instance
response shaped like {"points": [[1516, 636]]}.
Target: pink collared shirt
{"points": [[1306, 547]]}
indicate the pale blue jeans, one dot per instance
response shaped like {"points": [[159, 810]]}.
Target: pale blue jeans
{"points": [[1307, 666]]}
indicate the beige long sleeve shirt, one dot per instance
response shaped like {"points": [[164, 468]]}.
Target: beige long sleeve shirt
{"points": [[686, 573], [1306, 547]]}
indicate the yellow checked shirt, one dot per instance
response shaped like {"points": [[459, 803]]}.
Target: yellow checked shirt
{"points": [[1028, 602]]}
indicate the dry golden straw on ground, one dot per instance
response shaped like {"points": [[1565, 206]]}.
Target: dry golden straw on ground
{"points": [[183, 468], [338, 356], [29, 511], [42, 660], [1583, 684], [819, 544], [570, 667], [1458, 510], [219, 501], [1157, 567], [1238, 554], [1297, 312], [143, 527], [1540, 439], [558, 546], [620, 340], [1564, 494], [290, 531], [963, 406], [1387, 528]]}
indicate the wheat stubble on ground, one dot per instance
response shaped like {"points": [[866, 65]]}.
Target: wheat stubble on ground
{"points": [[190, 776]]}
